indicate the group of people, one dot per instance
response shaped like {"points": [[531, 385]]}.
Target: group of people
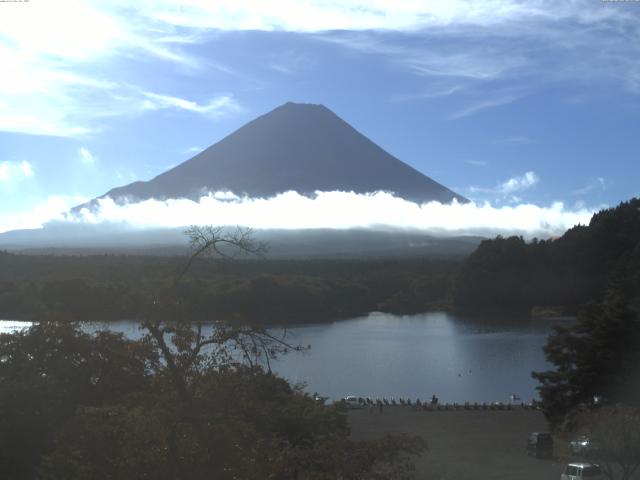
{"points": [[381, 403]]}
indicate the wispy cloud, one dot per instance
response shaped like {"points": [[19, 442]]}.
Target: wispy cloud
{"points": [[527, 44], [427, 94], [46, 53], [12, 171], [314, 16], [214, 107], [86, 156], [53, 207], [290, 62], [62, 104], [50, 84], [192, 150], [418, 54], [598, 184], [484, 105]]}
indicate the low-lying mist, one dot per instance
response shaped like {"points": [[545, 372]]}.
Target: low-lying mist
{"points": [[328, 210], [339, 210]]}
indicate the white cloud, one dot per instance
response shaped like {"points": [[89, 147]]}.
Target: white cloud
{"points": [[192, 150], [46, 54], [87, 157], [215, 107], [339, 210], [48, 28], [26, 169], [518, 184], [531, 44], [321, 15], [53, 208], [511, 186], [58, 67], [11, 171], [42, 47]]}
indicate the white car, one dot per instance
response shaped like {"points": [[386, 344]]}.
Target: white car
{"points": [[580, 446], [353, 402], [577, 471]]}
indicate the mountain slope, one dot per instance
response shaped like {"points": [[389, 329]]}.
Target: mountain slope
{"points": [[299, 147]]}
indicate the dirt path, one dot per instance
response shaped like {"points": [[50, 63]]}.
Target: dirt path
{"points": [[465, 444]]}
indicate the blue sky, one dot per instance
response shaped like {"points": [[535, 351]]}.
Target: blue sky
{"points": [[506, 102]]}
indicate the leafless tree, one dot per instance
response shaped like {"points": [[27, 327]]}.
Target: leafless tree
{"points": [[188, 348], [183, 343]]}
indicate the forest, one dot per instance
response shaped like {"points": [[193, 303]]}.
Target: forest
{"points": [[175, 404], [510, 274], [503, 275], [113, 287], [181, 404]]}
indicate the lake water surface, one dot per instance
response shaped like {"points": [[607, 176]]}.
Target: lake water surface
{"points": [[383, 355]]}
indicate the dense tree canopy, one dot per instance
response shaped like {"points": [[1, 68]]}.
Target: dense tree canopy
{"points": [[598, 356], [182, 403], [511, 274], [112, 287], [592, 270], [76, 406]]}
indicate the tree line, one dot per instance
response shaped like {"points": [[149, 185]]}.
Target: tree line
{"points": [[178, 404], [515, 275], [113, 287], [593, 272]]}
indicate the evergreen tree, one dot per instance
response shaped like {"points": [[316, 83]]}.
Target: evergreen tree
{"points": [[598, 356]]}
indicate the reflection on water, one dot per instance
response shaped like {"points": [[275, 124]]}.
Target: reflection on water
{"points": [[420, 355], [408, 356]]}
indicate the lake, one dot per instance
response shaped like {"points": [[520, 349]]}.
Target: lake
{"points": [[384, 355]]}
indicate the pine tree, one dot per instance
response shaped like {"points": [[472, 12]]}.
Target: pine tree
{"points": [[598, 356]]}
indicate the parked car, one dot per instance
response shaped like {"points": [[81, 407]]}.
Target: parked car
{"points": [[540, 445], [353, 402], [577, 471], [580, 445]]}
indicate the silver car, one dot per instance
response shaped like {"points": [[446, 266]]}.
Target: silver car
{"points": [[577, 471], [353, 402], [580, 445]]}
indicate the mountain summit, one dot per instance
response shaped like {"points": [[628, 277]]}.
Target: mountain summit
{"points": [[301, 147]]}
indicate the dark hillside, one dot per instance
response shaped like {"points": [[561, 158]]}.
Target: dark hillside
{"points": [[509, 273]]}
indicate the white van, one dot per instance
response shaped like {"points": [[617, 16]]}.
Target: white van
{"points": [[577, 471]]}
